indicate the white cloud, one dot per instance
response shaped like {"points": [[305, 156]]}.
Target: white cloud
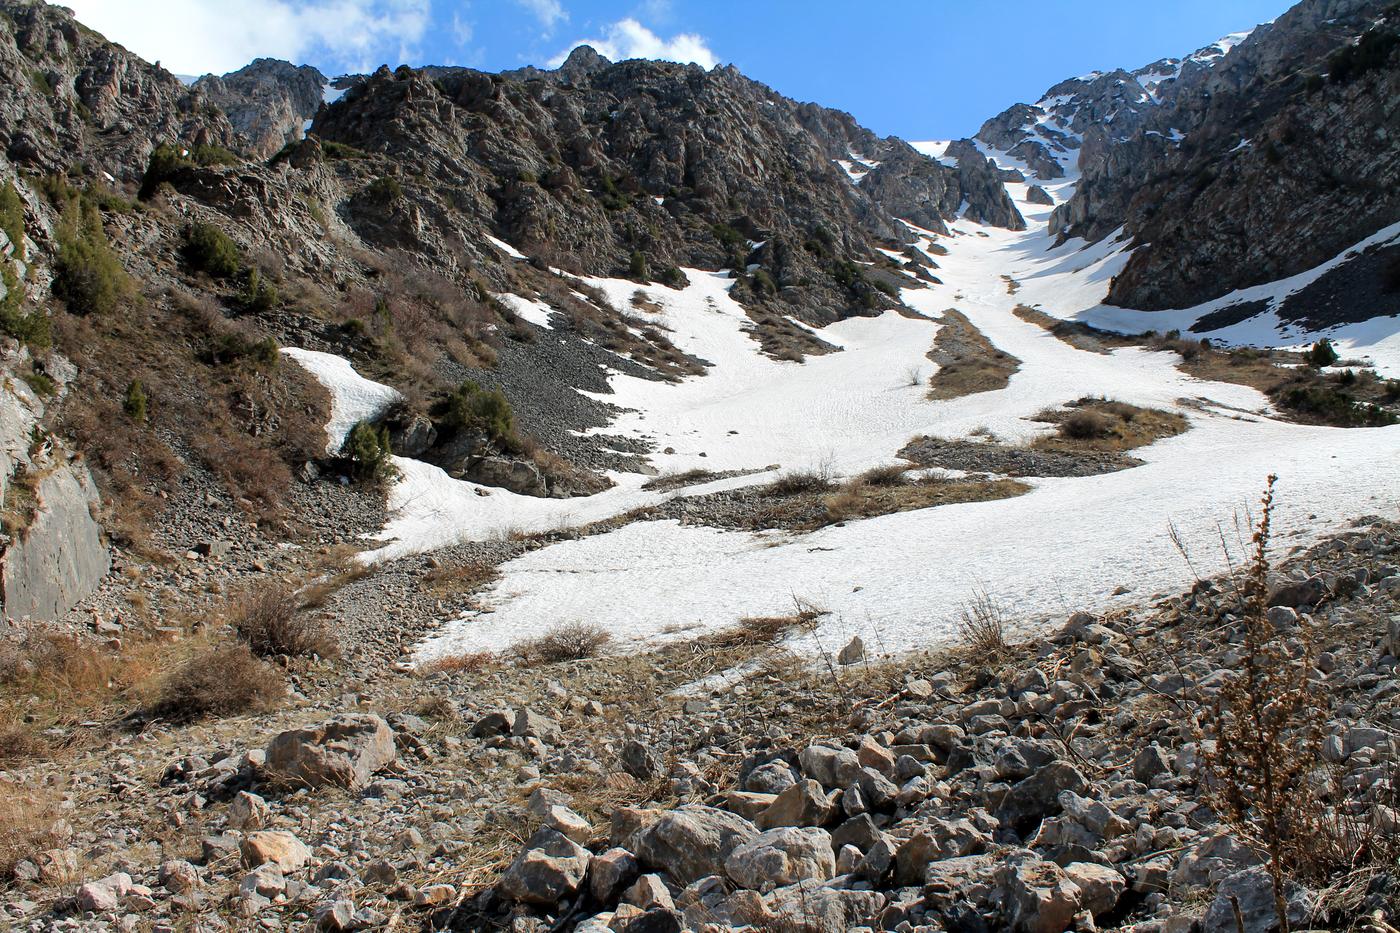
{"points": [[549, 12], [218, 36], [630, 39], [462, 30]]}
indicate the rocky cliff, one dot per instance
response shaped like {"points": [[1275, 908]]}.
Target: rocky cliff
{"points": [[1251, 160], [268, 103]]}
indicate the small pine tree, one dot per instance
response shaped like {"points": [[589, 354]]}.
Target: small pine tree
{"points": [[135, 403], [637, 266], [367, 448], [1322, 354]]}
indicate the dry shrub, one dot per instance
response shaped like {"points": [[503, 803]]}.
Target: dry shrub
{"points": [[760, 631], [1086, 426], [982, 624], [473, 662], [461, 578], [29, 823], [798, 482], [1265, 747], [572, 642], [892, 474], [219, 681], [671, 481], [270, 618]]}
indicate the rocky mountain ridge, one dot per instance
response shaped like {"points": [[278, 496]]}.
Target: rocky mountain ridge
{"points": [[1277, 132]]}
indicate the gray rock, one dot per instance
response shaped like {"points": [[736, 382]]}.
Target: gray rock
{"points": [[1253, 890], [641, 760], [802, 804], [831, 767], [345, 750], [692, 842], [780, 857], [1040, 898], [551, 868]]}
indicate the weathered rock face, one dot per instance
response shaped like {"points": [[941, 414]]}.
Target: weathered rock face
{"points": [[58, 557], [82, 96], [1239, 165], [588, 165], [268, 102]]}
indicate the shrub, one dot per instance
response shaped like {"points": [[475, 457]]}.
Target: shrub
{"points": [[165, 163], [1086, 426], [208, 249], [1371, 51], [763, 283], [12, 217], [1322, 354], [135, 402], [219, 681], [573, 642], [637, 266], [30, 821], [335, 150], [384, 190], [728, 236], [982, 624], [484, 411], [798, 482], [1264, 732], [259, 296], [30, 327], [270, 619], [87, 275], [367, 448], [236, 347]]}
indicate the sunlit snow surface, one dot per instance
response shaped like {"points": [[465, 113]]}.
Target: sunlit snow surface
{"points": [[353, 397], [899, 580]]}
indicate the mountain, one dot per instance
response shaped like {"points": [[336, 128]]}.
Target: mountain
{"points": [[1253, 160], [622, 498]]}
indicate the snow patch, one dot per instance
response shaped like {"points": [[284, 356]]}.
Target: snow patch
{"points": [[353, 397]]}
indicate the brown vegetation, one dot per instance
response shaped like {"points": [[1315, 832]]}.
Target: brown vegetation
{"points": [[968, 362], [574, 641], [271, 618], [1103, 425], [219, 681]]}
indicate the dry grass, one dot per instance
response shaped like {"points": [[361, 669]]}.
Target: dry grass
{"points": [[466, 577], [219, 681], [679, 480], [967, 361], [572, 642], [29, 823], [860, 499], [798, 482], [982, 625], [472, 662], [759, 631], [271, 617], [1107, 426]]}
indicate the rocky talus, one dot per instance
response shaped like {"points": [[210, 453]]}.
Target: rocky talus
{"points": [[1054, 786]]}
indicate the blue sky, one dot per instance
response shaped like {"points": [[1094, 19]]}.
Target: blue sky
{"points": [[922, 69]]}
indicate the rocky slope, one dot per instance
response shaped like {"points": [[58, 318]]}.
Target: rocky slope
{"points": [[1249, 161], [269, 102]]}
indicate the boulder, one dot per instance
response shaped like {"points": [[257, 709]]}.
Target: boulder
{"points": [[1100, 887], [283, 849], [780, 857], [692, 842], [345, 750], [1038, 195], [804, 804], [1253, 890], [830, 767], [551, 868], [611, 872], [1039, 896], [248, 811], [641, 760], [812, 908]]}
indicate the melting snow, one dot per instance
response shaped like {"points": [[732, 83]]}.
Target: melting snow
{"points": [[353, 397], [536, 312]]}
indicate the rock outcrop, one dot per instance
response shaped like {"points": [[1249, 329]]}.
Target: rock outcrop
{"points": [[269, 102]]}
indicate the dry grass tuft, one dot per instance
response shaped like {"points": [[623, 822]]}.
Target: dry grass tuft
{"points": [[465, 577], [572, 642], [473, 662], [270, 617], [29, 823], [219, 681], [671, 481], [798, 482], [982, 624], [760, 631], [1107, 426]]}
